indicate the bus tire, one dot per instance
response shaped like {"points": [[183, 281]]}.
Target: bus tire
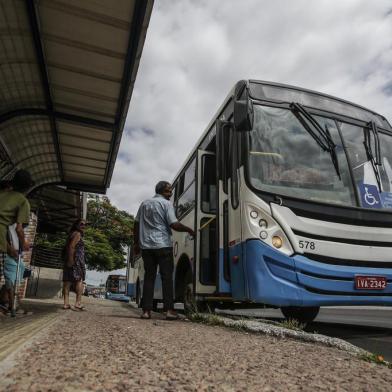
{"points": [[186, 293], [188, 298], [301, 314]]}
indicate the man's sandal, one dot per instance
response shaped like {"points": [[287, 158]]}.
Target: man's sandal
{"points": [[78, 308]]}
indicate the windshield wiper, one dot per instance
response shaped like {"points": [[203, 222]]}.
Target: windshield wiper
{"points": [[374, 159], [322, 137]]}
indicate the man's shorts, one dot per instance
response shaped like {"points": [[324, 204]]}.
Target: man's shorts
{"points": [[9, 284]]}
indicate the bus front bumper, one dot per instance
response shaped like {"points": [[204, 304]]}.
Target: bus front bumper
{"points": [[276, 279]]}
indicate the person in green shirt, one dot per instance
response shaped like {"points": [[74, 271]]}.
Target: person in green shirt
{"points": [[14, 208]]}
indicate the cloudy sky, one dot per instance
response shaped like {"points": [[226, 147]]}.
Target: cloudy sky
{"points": [[196, 50]]}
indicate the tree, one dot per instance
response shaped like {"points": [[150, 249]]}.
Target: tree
{"points": [[108, 234]]}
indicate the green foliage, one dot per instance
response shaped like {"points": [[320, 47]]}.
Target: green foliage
{"points": [[375, 358], [293, 324], [107, 236]]}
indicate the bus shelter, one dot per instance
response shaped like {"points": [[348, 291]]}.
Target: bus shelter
{"points": [[67, 72]]}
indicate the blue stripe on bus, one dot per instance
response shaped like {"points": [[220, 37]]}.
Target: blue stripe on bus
{"points": [[117, 297], [280, 280]]}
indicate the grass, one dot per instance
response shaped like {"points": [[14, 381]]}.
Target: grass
{"points": [[375, 358], [293, 324]]}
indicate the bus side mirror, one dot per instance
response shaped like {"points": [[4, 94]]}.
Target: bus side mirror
{"points": [[243, 115]]}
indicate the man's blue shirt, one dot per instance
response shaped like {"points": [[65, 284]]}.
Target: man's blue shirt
{"points": [[155, 216]]}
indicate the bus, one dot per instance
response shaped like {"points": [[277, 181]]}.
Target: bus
{"points": [[116, 288], [132, 276], [289, 192]]}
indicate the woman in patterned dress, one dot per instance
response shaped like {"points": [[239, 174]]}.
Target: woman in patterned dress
{"points": [[74, 265]]}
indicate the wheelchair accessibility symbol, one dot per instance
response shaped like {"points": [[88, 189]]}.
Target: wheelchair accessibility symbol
{"points": [[370, 196]]}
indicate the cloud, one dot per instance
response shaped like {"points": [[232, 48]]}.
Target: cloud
{"points": [[196, 50]]}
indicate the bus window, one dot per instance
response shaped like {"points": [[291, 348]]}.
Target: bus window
{"points": [[189, 175], [208, 190], [186, 201]]}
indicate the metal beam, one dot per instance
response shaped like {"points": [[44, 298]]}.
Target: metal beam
{"points": [[133, 43], [67, 117], [39, 50]]}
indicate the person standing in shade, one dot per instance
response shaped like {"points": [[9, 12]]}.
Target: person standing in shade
{"points": [[14, 208], [152, 235], [74, 272]]}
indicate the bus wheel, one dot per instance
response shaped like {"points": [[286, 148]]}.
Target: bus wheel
{"points": [[302, 314], [188, 298], [186, 295]]}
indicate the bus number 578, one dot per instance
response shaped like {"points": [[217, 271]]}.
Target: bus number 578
{"points": [[307, 245]]}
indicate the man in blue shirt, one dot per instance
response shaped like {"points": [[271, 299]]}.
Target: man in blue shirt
{"points": [[152, 235]]}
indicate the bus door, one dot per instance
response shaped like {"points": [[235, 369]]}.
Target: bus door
{"points": [[206, 237], [232, 277]]}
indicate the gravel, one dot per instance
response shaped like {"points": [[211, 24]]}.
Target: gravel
{"points": [[109, 348]]}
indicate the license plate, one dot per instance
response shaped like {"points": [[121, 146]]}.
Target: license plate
{"points": [[370, 282]]}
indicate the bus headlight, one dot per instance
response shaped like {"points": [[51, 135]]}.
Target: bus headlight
{"points": [[277, 241], [263, 235], [263, 223]]}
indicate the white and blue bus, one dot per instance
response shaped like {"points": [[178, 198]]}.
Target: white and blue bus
{"points": [[290, 194], [116, 288]]}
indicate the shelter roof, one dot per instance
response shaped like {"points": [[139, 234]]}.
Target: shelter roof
{"points": [[67, 71]]}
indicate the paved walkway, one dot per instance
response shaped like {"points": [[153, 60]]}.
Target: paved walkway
{"points": [[109, 348]]}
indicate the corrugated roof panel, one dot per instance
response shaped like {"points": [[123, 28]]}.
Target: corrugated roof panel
{"points": [[19, 75], [83, 103], [77, 177], [84, 61], [69, 167], [77, 79], [117, 12], [88, 144], [67, 70], [80, 30], [66, 149], [75, 160], [84, 131]]}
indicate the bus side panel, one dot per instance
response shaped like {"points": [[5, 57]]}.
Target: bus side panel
{"points": [[237, 267], [265, 286]]}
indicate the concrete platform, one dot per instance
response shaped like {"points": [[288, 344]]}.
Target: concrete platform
{"points": [[14, 332]]}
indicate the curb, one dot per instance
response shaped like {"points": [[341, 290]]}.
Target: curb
{"points": [[281, 332]]}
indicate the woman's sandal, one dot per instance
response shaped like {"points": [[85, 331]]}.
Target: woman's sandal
{"points": [[145, 316], [66, 307]]}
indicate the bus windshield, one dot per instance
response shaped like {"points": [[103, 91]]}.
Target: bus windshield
{"points": [[116, 284], [286, 158]]}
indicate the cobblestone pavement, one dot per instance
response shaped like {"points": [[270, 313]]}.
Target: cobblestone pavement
{"points": [[109, 348]]}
